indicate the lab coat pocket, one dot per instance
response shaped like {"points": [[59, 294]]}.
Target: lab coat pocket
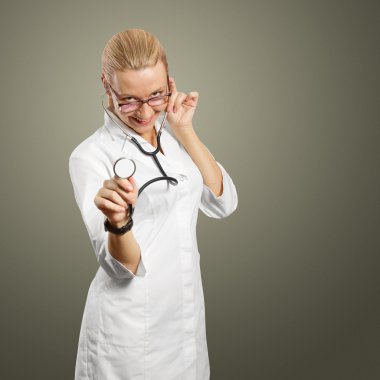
{"points": [[122, 313]]}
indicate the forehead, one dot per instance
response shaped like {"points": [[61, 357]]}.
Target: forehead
{"points": [[140, 83]]}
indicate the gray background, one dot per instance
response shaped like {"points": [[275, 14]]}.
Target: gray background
{"points": [[289, 104]]}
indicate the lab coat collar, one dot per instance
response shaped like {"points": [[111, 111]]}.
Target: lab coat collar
{"points": [[116, 132]]}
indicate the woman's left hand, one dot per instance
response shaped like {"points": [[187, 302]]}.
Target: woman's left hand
{"points": [[181, 107]]}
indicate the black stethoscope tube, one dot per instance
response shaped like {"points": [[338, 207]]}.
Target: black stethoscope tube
{"points": [[153, 154]]}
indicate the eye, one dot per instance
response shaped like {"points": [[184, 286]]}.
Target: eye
{"points": [[157, 93]]}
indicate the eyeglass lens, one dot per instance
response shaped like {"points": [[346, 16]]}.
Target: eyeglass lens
{"points": [[156, 101]]}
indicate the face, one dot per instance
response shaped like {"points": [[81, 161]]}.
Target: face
{"points": [[131, 85]]}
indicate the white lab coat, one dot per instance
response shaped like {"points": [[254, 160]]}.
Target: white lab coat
{"points": [[149, 325]]}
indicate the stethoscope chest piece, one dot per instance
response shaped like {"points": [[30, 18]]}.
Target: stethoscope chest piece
{"points": [[124, 167]]}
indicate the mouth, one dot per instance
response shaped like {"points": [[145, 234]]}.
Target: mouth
{"points": [[142, 121]]}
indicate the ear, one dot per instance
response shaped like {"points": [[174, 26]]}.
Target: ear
{"points": [[105, 83]]}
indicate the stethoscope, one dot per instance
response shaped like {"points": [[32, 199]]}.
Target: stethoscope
{"points": [[125, 167]]}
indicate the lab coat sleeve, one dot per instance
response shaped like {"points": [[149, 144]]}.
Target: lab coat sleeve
{"points": [[223, 205], [87, 177]]}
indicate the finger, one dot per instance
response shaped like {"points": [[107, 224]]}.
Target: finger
{"points": [[131, 183], [172, 85], [116, 186], [192, 98], [178, 102], [113, 196], [134, 183], [113, 185], [123, 183], [129, 197], [173, 90], [172, 98], [106, 205]]}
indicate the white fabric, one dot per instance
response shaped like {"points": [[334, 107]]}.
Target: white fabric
{"points": [[150, 325]]}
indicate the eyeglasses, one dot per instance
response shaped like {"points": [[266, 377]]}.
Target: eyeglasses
{"points": [[155, 101]]}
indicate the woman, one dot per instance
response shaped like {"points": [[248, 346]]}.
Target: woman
{"points": [[144, 316]]}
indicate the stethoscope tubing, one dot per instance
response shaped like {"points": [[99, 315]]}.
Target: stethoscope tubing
{"points": [[153, 154]]}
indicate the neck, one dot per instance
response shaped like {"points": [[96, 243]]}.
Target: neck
{"points": [[151, 137]]}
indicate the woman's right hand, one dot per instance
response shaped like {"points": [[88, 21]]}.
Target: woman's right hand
{"points": [[114, 198]]}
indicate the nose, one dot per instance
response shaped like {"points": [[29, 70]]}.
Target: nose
{"points": [[145, 111]]}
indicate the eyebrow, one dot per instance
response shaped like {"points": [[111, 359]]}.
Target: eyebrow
{"points": [[122, 96]]}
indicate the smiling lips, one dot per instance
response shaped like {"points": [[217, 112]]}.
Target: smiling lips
{"points": [[141, 121]]}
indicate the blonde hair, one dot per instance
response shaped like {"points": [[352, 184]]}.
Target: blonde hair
{"points": [[133, 49]]}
